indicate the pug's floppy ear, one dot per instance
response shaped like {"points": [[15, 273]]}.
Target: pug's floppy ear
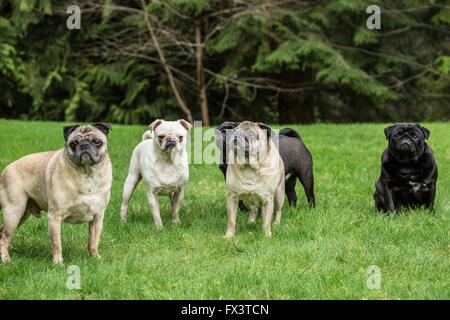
{"points": [[152, 126], [185, 124], [222, 129], [388, 131], [68, 130], [103, 127], [424, 130], [221, 132], [265, 127], [227, 125]]}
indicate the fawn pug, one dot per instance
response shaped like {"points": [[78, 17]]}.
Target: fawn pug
{"points": [[255, 174], [72, 184]]}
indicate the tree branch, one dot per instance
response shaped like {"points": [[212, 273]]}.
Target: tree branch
{"points": [[166, 67]]}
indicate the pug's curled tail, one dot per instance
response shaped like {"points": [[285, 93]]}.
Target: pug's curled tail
{"points": [[147, 135], [290, 133]]}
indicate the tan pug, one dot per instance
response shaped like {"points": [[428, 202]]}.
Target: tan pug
{"points": [[71, 184], [255, 174]]}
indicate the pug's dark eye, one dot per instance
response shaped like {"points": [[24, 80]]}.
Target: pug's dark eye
{"points": [[97, 142], [180, 138], [73, 144], [160, 138]]}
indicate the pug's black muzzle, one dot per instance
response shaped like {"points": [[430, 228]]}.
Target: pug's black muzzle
{"points": [[86, 148], [240, 142], [170, 144], [404, 148]]}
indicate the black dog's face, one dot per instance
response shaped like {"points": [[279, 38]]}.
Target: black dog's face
{"points": [[86, 145], [406, 141], [223, 134]]}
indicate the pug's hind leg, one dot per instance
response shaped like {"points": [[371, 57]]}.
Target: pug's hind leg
{"points": [[12, 216], [24, 218], [279, 201], [290, 190], [175, 200], [253, 214], [380, 205], [128, 189], [242, 206], [307, 180]]}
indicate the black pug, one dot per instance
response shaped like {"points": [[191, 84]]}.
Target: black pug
{"points": [[296, 157], [408, 169]]}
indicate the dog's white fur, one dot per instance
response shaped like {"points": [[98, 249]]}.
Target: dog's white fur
{"points": [[147, 135], [164, 171], [259, 183]]}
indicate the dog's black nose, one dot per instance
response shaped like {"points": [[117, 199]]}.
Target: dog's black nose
{"points": [[84, 145], [170, 144], [235, 138], [404, 147]]}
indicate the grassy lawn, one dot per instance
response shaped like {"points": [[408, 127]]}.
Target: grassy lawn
{"points": [[321, 253]]}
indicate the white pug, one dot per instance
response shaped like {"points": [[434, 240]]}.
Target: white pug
{"points": [[161, 161]]}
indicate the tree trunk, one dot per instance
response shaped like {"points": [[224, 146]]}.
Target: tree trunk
{"points": [[200, 73], [166, 67], [295, 107]]}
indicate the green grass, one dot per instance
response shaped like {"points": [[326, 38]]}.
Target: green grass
{"points": [[314, 254]]}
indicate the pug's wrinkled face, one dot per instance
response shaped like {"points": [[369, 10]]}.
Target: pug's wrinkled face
{"points": [[86, 145], [249, 139], [406, 141], [170, 135]]}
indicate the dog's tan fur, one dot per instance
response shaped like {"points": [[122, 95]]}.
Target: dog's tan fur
{"points": [[258, 182], [52, 182]]}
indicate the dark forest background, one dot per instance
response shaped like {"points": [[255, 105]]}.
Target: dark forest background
{"points": [[279, 61]]}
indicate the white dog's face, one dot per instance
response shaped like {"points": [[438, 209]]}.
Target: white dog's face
{"points": [[170, 135]]}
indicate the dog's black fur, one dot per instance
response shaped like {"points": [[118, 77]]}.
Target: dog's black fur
{"points": [[299, 163], [296, 157], [408, 169]]}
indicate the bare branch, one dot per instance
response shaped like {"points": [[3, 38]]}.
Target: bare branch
{"points": [[260, 86], [385, 55], [165, 65]]}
